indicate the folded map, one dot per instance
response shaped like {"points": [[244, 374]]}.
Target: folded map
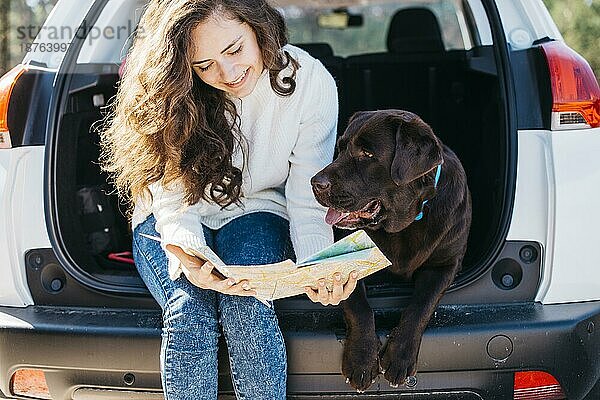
{"points": [[355, 252]]}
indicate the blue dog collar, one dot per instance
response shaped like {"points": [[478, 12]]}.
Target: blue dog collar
{"points": [[435, 183]]}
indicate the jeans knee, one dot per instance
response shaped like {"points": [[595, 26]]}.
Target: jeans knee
{"points": [[191, 312], [242, 316], [246, 306]]}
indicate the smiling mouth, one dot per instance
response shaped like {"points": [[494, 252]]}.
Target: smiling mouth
{"points": [[368, 215], [238, 80]]}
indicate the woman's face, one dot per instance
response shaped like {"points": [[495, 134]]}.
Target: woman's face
{"points": [[225, 55]]}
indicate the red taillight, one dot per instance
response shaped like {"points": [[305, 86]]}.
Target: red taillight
{"points": [[7, 84], [575, 90], [537, 385]]}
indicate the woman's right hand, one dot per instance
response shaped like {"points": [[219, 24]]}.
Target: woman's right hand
{"points": [[200, 273]]}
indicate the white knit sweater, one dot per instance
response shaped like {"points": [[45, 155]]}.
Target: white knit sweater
{"points": [[290, 138]]}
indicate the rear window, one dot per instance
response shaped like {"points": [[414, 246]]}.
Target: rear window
{"points": [[370, 35], [463, 25]]}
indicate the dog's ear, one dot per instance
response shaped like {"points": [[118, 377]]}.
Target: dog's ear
{"points": [[418, 150]]}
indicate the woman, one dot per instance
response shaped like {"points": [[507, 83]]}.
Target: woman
{"points": [[217, 128]]}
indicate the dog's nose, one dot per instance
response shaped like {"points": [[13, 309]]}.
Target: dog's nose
{"points": [[320, 183]]}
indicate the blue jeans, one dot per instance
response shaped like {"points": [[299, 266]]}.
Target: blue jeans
{"points": [[191, 316]]}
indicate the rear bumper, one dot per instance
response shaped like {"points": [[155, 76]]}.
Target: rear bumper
{"points": [[89, 350]]}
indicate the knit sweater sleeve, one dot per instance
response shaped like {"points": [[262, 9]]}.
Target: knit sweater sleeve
{"points": [[175, 222], [312, 152]]}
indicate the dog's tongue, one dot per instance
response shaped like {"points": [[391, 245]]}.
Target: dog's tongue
{"points": [[333, 216]]}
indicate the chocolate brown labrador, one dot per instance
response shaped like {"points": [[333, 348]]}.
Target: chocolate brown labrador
{"points": [[394, 178]]}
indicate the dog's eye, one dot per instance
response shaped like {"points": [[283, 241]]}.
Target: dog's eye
{"points": [[366, 153]]}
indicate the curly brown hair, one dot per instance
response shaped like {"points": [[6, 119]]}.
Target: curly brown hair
{"points": [[165, 122]]}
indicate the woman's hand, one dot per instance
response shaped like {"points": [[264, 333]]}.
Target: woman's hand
{"points": [[339, 293], [200, 273]]}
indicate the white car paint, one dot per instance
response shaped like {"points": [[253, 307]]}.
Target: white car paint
{"points": [[556, 205], [576, 267], [22, 221]]}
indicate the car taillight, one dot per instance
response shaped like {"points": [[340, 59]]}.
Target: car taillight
{"points": [[30, 383], [7, 84], [575, 90], [537, 385]]}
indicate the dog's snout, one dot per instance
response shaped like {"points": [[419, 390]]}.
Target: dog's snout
{"points": [[320, 183]]}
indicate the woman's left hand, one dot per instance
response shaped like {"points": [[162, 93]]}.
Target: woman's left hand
{"points": [[339, 293]]}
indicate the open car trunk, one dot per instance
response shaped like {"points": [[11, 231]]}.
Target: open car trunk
{"points": [[458, 91]]}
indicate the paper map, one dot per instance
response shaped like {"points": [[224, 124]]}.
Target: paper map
{"points": [[355, 252]]}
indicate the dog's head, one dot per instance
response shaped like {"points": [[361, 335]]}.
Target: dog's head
{"points": [[383, 171]]}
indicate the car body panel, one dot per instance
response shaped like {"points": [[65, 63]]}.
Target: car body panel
{"points": [[533, 210], [473, 347], [575, 272], [114, 28], [556, 206], [525, 21], [60, 28], [22, 222]]}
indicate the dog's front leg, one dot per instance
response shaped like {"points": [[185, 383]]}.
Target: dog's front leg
{"points": [[360, 362], [399, 358]]}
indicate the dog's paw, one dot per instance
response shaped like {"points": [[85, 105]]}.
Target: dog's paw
{"points": [[399, 360], [360, 362]]}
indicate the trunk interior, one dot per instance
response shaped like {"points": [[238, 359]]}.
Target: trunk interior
{"points": [[456, 91]]}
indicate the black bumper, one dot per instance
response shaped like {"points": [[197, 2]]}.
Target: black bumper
{"points": [[466, 349]]}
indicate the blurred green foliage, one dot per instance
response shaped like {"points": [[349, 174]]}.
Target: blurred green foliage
{"points": [[579, 23]]}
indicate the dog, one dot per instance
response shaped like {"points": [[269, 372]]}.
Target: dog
{"points": [[394, 178]]}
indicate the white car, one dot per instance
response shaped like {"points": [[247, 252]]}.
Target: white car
{"points": [[498, 85]]}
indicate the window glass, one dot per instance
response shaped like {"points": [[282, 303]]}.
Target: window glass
{"points": [[376, 16], [108, 40]]}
